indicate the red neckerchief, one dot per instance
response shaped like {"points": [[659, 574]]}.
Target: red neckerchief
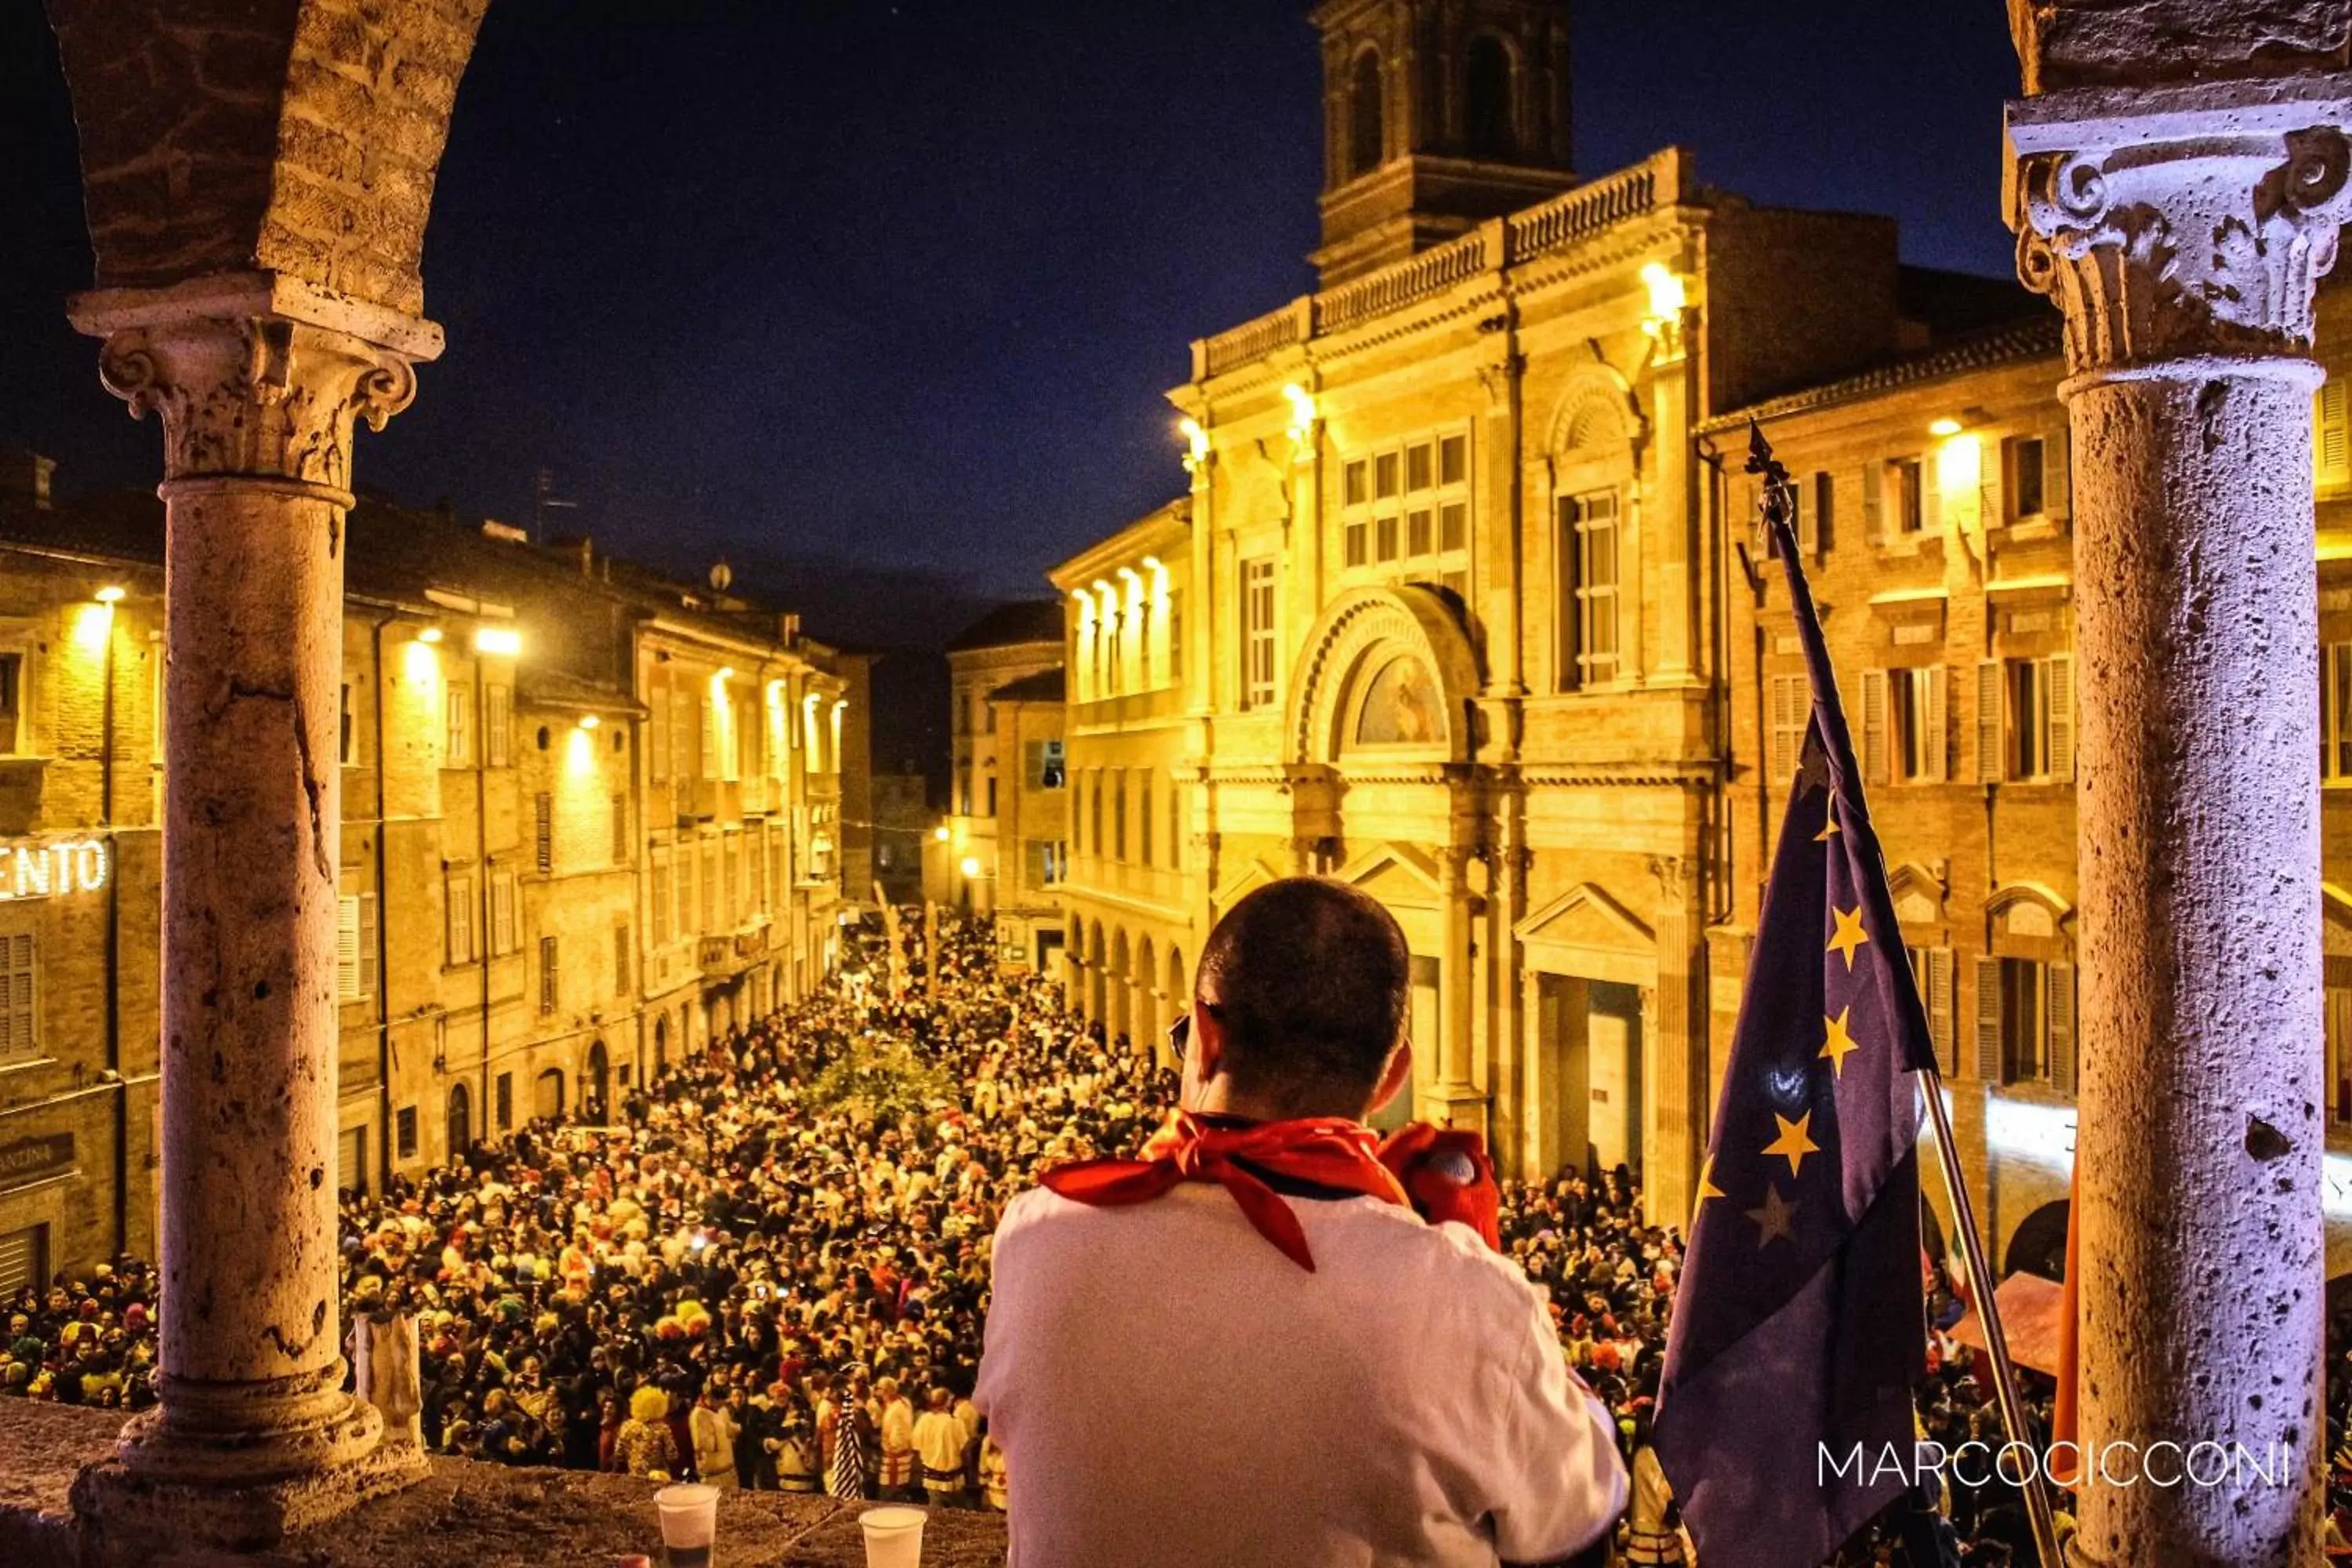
{"points": [[1328, 1151], [1441, 1172]]}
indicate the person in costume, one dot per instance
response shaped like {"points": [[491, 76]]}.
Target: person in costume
{"points": [[1335, 1378]]}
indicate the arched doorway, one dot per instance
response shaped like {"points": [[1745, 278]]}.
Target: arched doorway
{"points": [[2039, 1246], [1180, 1000], [458, 1134], [600, 1082], [661, 1046], [547, 1095]]}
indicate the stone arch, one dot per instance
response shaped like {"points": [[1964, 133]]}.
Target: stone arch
{"points": [[1357, 636], [1179, 981], [2038, 1246], [1596, 418], [308, 146], [458, 1121]]}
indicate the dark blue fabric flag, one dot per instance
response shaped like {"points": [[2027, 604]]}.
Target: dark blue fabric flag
{"points": [[1797, 1334]]}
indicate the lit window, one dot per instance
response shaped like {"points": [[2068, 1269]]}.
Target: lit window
{"points": [[1589, 550], [1257, 632]]}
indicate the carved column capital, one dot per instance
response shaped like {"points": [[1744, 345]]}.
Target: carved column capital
{"points": [[256, 377], [2181, 224]]}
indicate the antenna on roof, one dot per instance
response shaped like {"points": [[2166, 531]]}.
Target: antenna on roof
{"points": [[544, 499]]}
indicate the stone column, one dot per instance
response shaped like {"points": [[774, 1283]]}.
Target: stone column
{"points": [[1457, 1099], [2181, 229], [258, 381]]}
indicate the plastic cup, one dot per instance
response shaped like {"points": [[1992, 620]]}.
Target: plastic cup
{"points": [[894, 1537], [689, 1524]]}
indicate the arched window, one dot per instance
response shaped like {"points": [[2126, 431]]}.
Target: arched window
{"points": [[461, 1119], [1487, 98], [1366, 144]]}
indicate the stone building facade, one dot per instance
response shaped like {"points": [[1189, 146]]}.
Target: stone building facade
{"points": [[1936, 513], [590, 818], [1134, 896], [980, 863]]}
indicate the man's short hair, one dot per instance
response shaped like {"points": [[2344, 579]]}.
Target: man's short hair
{"points": [[1310, 979]]}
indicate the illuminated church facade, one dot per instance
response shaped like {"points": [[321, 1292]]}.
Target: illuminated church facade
{"points": [[1470, 610]]}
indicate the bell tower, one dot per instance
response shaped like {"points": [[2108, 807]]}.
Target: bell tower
{"points": [[1437, 115]]}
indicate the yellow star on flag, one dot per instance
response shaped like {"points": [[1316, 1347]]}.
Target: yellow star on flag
{"points": [[1775, 1219], [1850, 934], [1795, 1141], [1839, 1045], [1707, 1187], [1830, 829]]}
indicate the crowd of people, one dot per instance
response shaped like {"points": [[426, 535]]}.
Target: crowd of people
{"points": [[768, 1269]]}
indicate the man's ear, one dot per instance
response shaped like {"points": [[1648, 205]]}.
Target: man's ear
{"points": [[1395, 1079], [1204, 1054]]}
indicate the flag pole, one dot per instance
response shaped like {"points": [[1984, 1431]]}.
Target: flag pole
{"points": [[2004, 1373], [1778, 500]]}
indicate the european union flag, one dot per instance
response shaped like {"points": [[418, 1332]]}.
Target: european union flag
{"points": [[1798, 1332]]}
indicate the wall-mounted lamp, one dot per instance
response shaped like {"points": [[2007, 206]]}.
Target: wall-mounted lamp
{"points": [[504, 642], [1196, 443], [109, 595], [430, 635], [1302, 412], [589, 720]]}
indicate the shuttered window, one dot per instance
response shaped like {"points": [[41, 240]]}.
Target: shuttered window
{"points": [[458, 920], [1988, 1030], [24, 1260], [1935, 992], [658, 727], [542, 833], [356, 941], [2331, 445], [1992, 762], [1789, 712], [502, 912], [498, 723], [550, 987], [459, 750], [19, 1029], [351, 1160], [2058, 1017], [1874, 751], [620, 961]]}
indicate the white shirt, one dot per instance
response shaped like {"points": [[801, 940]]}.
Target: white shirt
{"points": [[1170, 1389]]}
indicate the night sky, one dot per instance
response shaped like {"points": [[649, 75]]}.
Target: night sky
{"points": [[846, 288]]}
